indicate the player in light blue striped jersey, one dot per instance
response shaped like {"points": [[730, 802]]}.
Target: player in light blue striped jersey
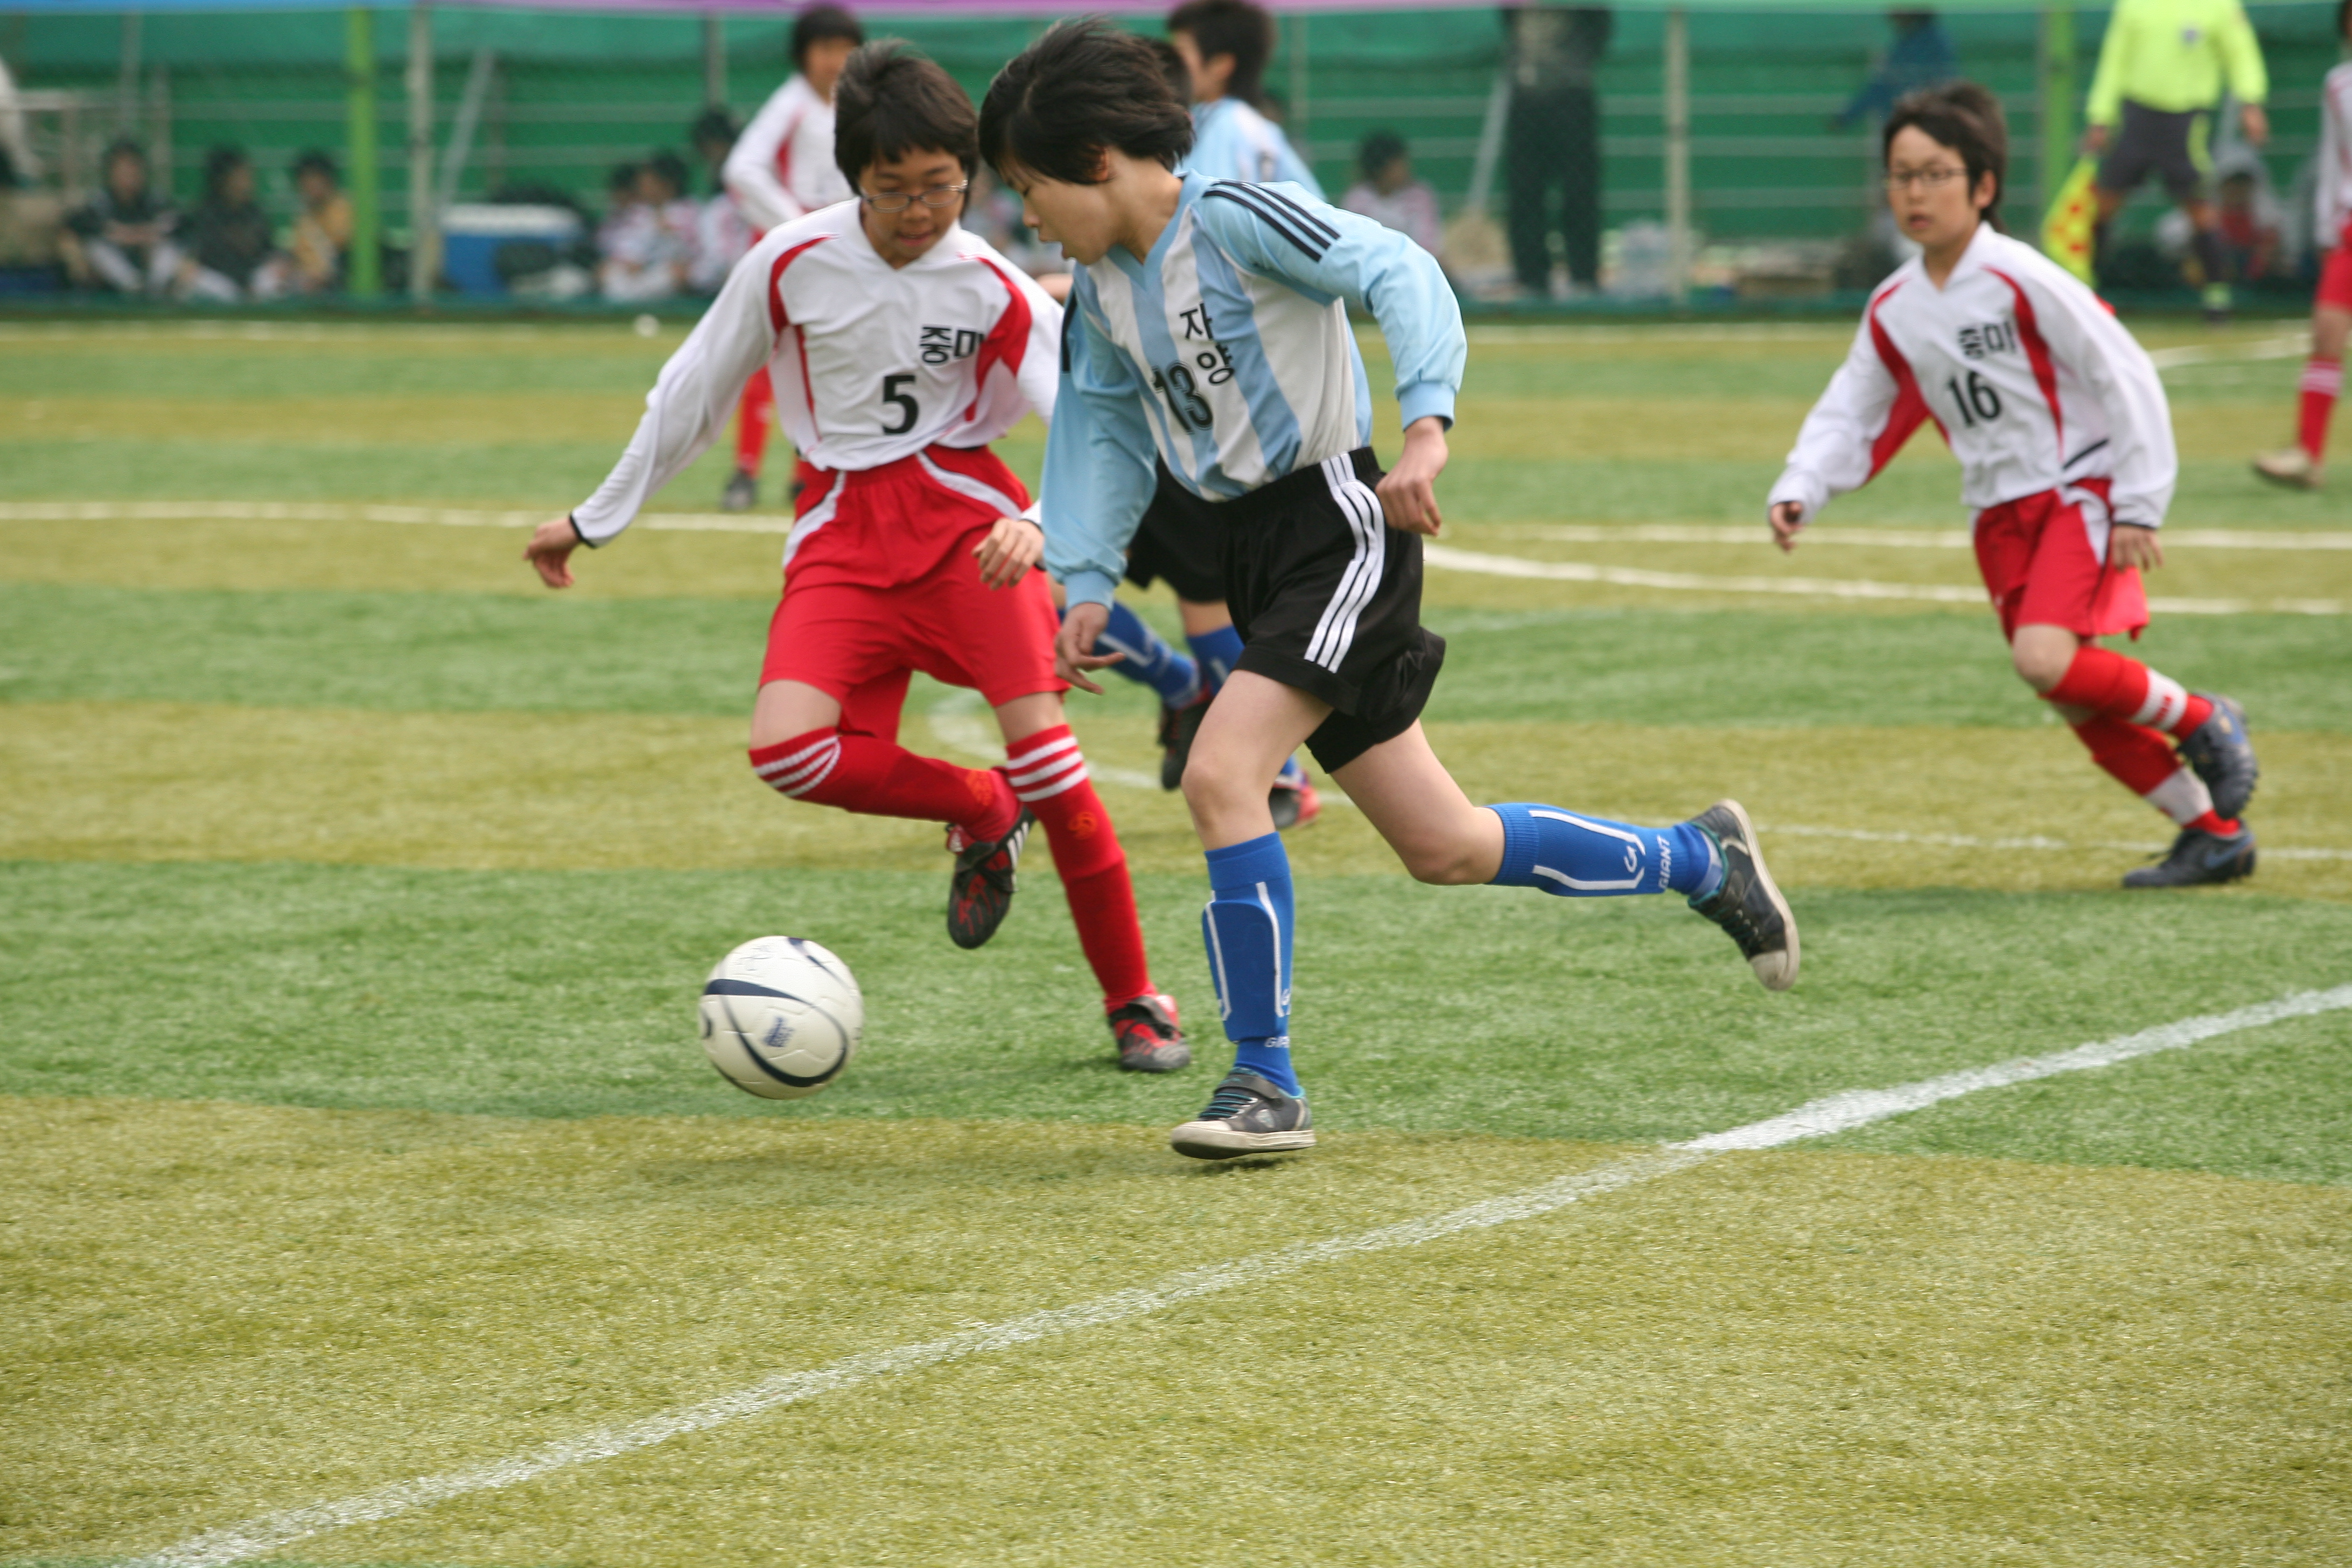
{"points": [[1208, 323]]}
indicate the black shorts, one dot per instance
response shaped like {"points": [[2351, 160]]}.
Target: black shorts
{"points": [[1326, 597], [1177, 542], [2160, 141]]}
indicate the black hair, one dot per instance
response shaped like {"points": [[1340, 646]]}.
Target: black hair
{"points": [[2343, 16], [1084, 88], [312, 160], [892, 101], [1233, 27], [123, 147], [716, 123], [818, 22], [668, 165], [1967, 119], [621, 177], [219, 163], [1380, 149], [1179, 75]]}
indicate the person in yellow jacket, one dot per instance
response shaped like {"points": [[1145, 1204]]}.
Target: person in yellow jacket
{"points": [[2162, 71]]}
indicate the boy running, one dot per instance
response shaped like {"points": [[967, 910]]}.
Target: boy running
{"points": [[901, 345], [2066, 450], [1209, 320], [2298, 467]]}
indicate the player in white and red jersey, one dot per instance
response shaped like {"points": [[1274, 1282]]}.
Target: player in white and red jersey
{"points": [[2298, 465], [782, 168], [2065, 448], [901, 345]]}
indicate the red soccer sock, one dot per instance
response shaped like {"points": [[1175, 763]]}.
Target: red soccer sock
{"points": [[754, 414], [2113, 686], [2322, 383], [880, 778], [1049, 774], [2143, 762]]}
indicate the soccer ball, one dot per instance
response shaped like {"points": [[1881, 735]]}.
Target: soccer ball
{"points": [[781, 1017]]}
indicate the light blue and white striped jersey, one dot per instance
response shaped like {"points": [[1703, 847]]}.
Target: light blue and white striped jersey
{"points": [[1228, 350], [1232, 140]]}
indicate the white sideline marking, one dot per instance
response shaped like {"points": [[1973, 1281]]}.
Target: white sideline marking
{"points": [[1814, 1118], [1452, 559], [1892, 538], [1968, 841]]}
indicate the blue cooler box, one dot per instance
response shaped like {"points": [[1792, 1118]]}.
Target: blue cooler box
{"points": [[471, 235]]}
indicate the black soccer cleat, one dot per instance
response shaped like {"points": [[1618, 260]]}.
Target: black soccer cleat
{"points": [[1749, 904], [1177, 728], [1293, 803], [742, 494], [1149, 1039], [2219, 752], [981, 891], [1247, 1115], [2199, 859]]}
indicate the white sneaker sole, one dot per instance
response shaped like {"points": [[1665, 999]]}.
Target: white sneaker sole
{"points": [[1777, 970], [1217, 1140]]}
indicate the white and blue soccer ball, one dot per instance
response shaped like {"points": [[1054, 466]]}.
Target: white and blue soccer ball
{"points": [[781, 1017]]}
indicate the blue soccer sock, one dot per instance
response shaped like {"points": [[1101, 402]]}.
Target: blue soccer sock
{"points": [[1576, 856], [1217, 652], [1247, 928], [1150, 660]]}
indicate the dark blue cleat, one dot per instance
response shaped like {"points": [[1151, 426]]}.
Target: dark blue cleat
{"points": [[2199, 859], [2218, 752]]}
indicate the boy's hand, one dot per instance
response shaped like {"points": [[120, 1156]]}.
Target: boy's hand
{"points": [[550, 551], [1788, 517], [2132, 545], [1079, 628], [1012, 547], [1409, 494]]}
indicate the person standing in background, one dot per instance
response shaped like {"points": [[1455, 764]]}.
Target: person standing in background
{"points": [[1225, 45], [2297, 466], [781, 169], [2161, 71], [1554, 138]]}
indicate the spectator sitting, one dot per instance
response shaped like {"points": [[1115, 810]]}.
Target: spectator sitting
{"points": [[123, 237], [233, 256], [1389, 194], [322, 231], [2250, 220], [722, 236], [648, 251], [620, 205]]}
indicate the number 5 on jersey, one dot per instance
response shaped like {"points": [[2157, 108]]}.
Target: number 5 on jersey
{"points": [[894, 393]]}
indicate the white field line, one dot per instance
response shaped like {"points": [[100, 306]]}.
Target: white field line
{"points": [[2293, 345], [1968, 841], [1834, 1114], [1447, 557], [1891, 538]]}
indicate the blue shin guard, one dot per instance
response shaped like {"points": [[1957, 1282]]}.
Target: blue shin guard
{"points": [[1247, 928], [1574, 856], [1150, 660], [1217, 652]]}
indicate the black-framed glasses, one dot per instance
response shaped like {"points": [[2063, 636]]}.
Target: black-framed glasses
{"points": [[1932, 179], [932, 196]]}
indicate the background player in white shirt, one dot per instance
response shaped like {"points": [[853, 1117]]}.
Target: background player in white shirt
{"points": [[782, 168], [2065, 448], [2331, 312], [902, 345]]}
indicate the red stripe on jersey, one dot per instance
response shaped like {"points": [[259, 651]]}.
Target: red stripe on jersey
{"points": [[1008, 340], [784, 154], [777, 319], [1910, 406], [2037, 355]]}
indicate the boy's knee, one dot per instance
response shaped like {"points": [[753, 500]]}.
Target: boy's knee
{"points": [[2042, 662]]}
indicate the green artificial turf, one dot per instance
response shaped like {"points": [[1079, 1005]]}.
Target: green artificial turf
{"points": [[472, 652], [1485, 1010]]}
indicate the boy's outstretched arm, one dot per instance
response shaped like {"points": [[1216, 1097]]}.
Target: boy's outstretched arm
{"points": [[1861, 420]]}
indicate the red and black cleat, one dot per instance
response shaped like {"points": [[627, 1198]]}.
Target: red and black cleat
{"points": [[981, 891], [1149, 1039]]}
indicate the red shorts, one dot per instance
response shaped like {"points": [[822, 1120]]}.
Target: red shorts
{"points": [[2335, 273], [2044, 560], [879, 580]]}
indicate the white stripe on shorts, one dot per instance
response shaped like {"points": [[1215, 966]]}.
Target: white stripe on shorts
{"points": [[966, 486], [816, 516], [1336, 632]]}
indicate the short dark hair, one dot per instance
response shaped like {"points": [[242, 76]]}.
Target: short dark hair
{"points": [[1084, 88], [621, 177], [668, 165], [313, 161], [716, 123], [219, 163], [1380, 149], [1233, 27], [892, 101], [1966, 118], [1179, 75], [818, 22], [123, 147]]}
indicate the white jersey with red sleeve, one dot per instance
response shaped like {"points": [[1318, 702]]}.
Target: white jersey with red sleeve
{"points": [[781, 166], [2333, 185], [2034, 383], [872, 364]]}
